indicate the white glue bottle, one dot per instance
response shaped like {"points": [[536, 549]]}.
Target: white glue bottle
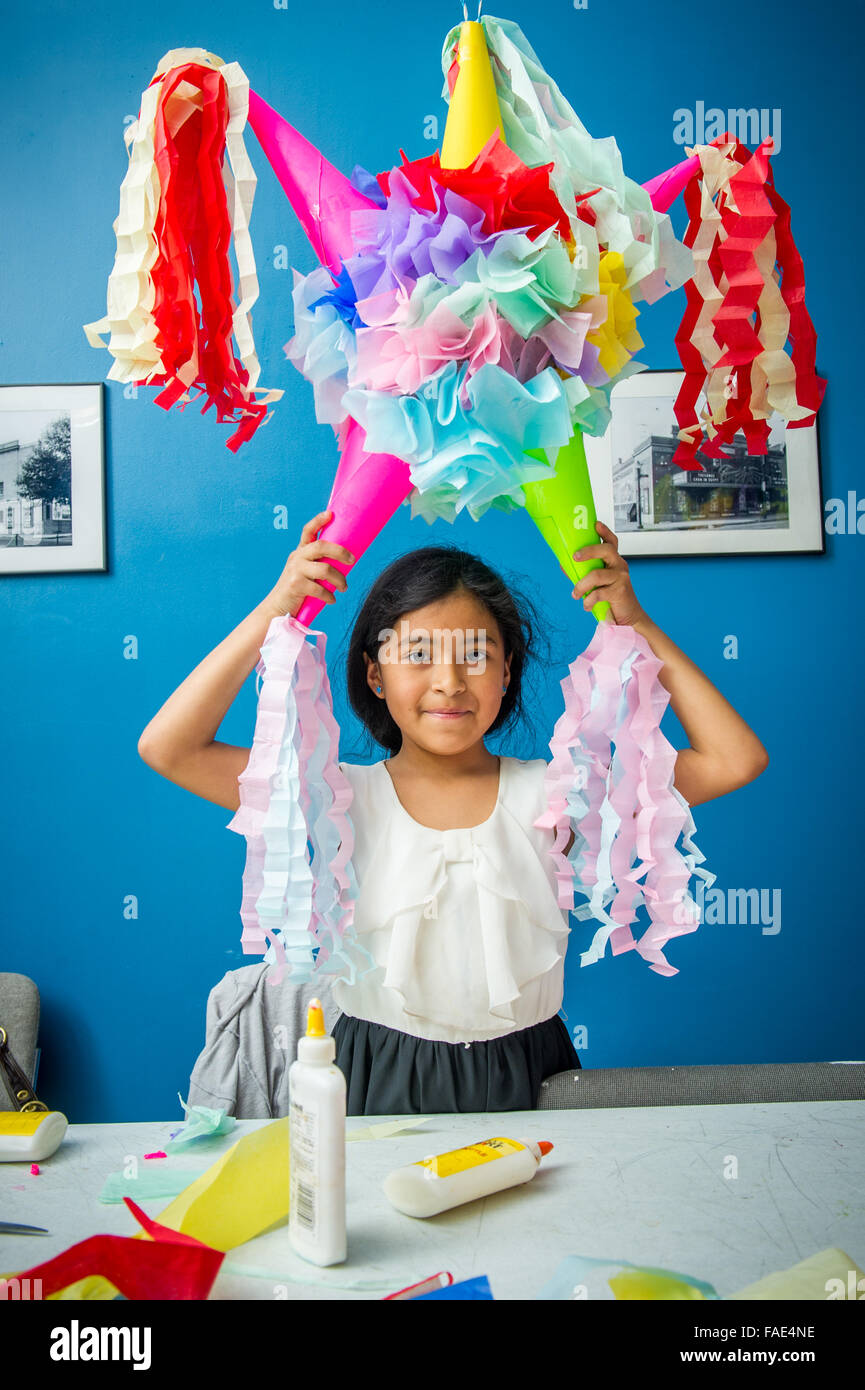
{"points": [[316, 1094], [446, 1180]]}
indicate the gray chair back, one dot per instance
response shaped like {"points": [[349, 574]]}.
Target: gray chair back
{"points": [[745, 1083], [19, 1015]]}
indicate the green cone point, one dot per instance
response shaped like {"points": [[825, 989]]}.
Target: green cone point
{"points": [[563, 509]]}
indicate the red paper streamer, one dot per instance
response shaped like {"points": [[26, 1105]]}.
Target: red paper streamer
{"points": [[810, 388], [757, 207], [685, 406], [193, 234]]}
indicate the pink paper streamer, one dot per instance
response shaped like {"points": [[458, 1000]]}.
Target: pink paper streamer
{"points": [[293, 796], [610, 756]]}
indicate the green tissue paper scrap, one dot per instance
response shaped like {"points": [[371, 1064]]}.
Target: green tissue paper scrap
{"points": [[151, 1182], [201, 1123]]}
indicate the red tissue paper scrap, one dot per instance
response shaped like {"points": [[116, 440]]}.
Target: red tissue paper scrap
{"points": [[168, 1266]]}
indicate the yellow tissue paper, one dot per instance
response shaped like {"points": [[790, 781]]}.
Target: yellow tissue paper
{"points": [[644, 1284], [828, 1274], [386, 1129], [240, 1195]]}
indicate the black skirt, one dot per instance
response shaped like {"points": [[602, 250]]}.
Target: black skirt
{"points": [[392, 1073]]}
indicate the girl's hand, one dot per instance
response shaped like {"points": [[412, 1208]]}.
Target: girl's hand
{"points": [[612, 583], [304, 569]]}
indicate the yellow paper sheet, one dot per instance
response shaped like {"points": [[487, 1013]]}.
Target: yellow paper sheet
{"points": [[385, 1129], [809, 1278]]}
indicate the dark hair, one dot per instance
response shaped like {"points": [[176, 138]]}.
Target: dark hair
{"points": [[414, 580]]}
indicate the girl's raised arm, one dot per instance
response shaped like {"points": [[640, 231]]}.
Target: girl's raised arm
{"points": [[725, 753], [180, 741]]}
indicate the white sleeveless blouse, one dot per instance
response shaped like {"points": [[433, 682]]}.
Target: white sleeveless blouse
{"points": [[464, 924]]}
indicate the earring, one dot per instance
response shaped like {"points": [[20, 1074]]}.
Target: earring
{"points": [[504, 688], [378, 688]]}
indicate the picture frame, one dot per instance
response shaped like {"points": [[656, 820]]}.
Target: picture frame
{"points": [[753, 505], [52, 479]]}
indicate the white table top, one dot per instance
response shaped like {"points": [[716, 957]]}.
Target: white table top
{"points": [[643, 1185]]}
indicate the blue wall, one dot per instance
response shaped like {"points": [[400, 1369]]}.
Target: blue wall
{"points": [[192, 545]]}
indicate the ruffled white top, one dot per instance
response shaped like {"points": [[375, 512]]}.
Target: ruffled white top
{"points": [[464, 924]]}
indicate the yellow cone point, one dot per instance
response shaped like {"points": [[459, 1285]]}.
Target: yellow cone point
{"points": [[474, 108]]}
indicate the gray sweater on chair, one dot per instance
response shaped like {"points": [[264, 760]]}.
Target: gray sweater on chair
{"points": [[251, 1035]]}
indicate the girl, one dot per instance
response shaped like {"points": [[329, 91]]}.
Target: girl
{"points": [[456, 888]]}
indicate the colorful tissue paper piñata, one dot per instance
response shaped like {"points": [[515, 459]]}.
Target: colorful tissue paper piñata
{"points": [[470, 315]]}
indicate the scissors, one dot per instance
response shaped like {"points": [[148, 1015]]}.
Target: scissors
{"points": [[12, 1228]]}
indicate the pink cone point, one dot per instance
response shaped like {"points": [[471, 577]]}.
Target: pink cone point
{"points": [[321, 196]]}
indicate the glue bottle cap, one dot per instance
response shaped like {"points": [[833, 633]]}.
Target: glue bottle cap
{"points": [[317, 1047], [544, 1145], [315, 1020]]}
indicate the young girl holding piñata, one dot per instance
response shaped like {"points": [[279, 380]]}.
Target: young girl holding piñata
{"points": [[457, 898]]}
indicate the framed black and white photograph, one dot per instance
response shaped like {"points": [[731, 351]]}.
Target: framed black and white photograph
{"points": [[52, 479], [742, 504]]}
